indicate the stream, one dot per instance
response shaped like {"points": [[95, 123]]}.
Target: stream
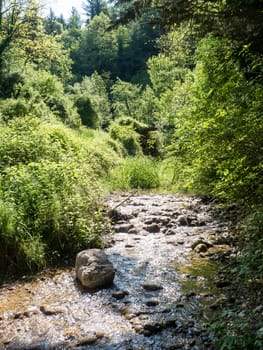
{"points": [[167, 252]]}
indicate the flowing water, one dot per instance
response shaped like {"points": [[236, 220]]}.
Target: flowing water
{"points": [[165, 250]]}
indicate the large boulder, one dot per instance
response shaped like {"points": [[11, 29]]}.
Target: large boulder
{"points": [[93, 269]]}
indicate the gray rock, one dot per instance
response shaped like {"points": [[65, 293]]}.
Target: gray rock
{"points": [[201, 248], [183, 220], [120, 294], [51, 309], [93, 269], [151, 286], [154, 228], [123, 228], [152, 302], [170, 232]]}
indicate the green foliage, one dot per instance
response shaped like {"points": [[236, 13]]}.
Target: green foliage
{"points": [[95, 88], [8, 81], [41, 94], [50, 196], [121, 51], [87, 114], [23, 40], [219, 133], [97, 48], [135, 173], [251, 238], [125, 97], [94, 8], [127, 136], [233, 331], [25, 140]]}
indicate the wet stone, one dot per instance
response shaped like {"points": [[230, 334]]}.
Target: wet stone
{"points": [[120, 294], [88, 339], [152, 302], [154, 228], [129, 245], [123, 228], [49, 310], [152, 328], [183, 220], [152, 286], [170, 232], [200, 248], [93, 269]]}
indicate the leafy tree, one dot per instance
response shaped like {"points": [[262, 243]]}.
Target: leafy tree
{"points": [[86, 112], [125, 97], [95, 8], [52, 25], [16, 17], [219, 133], [97, 48], [95, 87], [23, 41], [72, 32]]}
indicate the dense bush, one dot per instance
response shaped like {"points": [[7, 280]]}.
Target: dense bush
{"points": [[127, 136], [251, 261], [86, 112], [135, 173], [218, 134], [50, 197], [41, 94]]}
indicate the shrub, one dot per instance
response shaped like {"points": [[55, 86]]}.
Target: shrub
{"points": [[50, 197], [135, 173], [53, 208], [87, 114], [29, 139], [251, 263], [128, 137], [41, 94]]}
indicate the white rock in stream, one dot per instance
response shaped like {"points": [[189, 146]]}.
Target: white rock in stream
{"points": [[93, 269]]}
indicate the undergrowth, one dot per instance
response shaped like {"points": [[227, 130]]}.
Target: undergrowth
{"points": [[50, 191], [135, 173], [239, 321]]}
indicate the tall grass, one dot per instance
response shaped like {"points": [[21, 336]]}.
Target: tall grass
{"points": [[135, 173]]}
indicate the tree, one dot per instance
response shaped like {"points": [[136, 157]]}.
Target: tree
{"points": [[95, 88], [16, 17], [97, 50], [218, 131], [125, 97], [240, 20], [52, 25], [95, 8], [72, 33], [24, 41]]}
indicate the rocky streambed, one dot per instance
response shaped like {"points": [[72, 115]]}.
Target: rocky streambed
{"points": [[167, 252]]}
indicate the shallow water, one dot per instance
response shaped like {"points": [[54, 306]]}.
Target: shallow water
{"points": [[161, 294]]}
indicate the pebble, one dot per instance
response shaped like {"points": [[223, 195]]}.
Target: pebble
{"points": [[88, 339], [151, 287], [49, 310], [152, 302], [154, 228], [120, 294]]}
